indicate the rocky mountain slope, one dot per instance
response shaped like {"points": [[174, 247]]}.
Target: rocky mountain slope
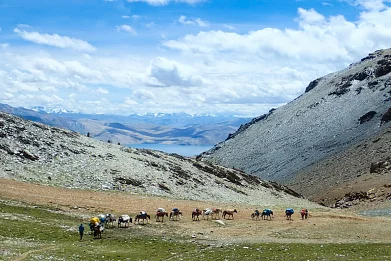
{"points": [[179, 128], [38, 153], [358, 175], [336, 112]]}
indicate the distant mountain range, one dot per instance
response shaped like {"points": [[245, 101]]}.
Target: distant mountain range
{"points": [[326, 143], [177, 128]]}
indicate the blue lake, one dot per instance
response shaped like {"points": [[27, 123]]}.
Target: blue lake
{"points": [[184, 150], [386, 212]]}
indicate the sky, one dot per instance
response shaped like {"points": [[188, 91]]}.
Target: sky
{"points": [[234, 57]]}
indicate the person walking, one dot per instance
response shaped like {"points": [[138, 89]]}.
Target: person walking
{"points": [[81, 231]]}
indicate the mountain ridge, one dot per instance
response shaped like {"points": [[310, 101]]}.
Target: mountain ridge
{"points": [[335, 112], [52, 156]]}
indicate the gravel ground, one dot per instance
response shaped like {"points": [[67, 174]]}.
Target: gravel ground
{"points": [[322, 226]]}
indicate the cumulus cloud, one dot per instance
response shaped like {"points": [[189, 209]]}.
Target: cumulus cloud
{"points": [[166, 2], [56, 40], [196, 21], [372, 5], [126, 28], [211, 71], [343, 40], [169, 73], [144, 94]]}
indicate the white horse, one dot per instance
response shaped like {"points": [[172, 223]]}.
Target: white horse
{"points": [[124, 219], [110, 219], [207, 212]]}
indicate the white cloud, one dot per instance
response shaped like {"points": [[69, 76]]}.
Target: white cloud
{"points": [[23, 26], [170, 73], [372, 5], [343, 40], [196, 21], [230, 27], [126, 28], [56, 40], [211, 71], [166, 2], [125, 16], [102, 91], [150, 25], [144, 94]]}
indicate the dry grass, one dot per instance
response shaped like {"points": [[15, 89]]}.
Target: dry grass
{"points": [[323, 226]]}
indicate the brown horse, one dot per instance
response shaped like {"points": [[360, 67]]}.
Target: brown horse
{"points": [[216, 213], [98, 231], [229, 213], [304, 213], [175, 215], [195, 215], [142, 216], [255, 215], [160, 216]]}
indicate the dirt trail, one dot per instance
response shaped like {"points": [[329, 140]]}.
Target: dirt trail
{"points": [[323, 225]]}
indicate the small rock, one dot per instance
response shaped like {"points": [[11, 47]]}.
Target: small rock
{"points": [[220, 222]]}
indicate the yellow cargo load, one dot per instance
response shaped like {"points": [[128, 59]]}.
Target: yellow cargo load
{"points": [[94, 220]]}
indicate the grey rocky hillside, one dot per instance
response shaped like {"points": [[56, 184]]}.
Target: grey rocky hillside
{"points": [[335, 112], [359, 174], [42, 154]]}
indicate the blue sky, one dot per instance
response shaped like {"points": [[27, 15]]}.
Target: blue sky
{"points": [[239, 57]]}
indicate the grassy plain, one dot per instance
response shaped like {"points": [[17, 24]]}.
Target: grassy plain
{"points": [[37, 225]]}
